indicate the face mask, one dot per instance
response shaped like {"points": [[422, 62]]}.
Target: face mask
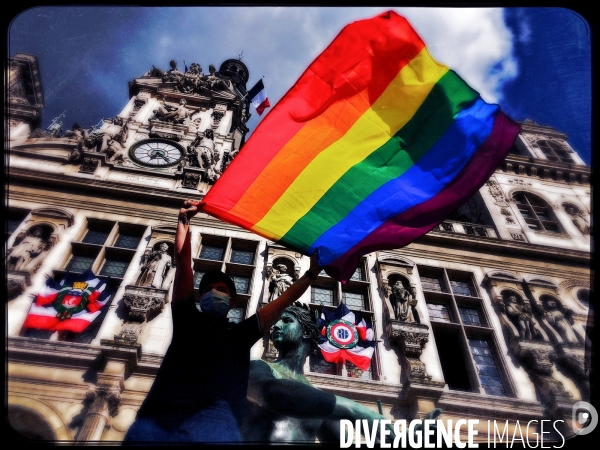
{"points": [[213, 303]]}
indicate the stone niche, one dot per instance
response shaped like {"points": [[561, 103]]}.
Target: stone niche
{"points": [[29, 246], [403, 329]]}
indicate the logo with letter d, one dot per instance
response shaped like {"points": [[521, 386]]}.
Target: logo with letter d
{"points": [[585, 418]]}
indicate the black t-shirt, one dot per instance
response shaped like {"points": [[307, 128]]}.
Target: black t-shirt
{"points": [[207, 361]]}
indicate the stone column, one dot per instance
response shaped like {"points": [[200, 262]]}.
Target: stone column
{"points": [[101, 403]]}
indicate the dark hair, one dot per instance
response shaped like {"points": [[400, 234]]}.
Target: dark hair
{"points": [[214, 276], [307, 321]]}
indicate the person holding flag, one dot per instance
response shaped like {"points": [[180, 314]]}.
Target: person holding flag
{"points": [[199, 393]]}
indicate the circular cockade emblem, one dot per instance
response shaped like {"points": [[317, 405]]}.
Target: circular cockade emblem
{"points": [[342, 334], [156, 153]]}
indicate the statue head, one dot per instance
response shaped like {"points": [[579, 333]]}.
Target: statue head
{"points": [[209, 134], [550, 303], [76, 126], [212, 69], [296, 325], [282, 268], [164, 246], [173, 64], [36, 232]]}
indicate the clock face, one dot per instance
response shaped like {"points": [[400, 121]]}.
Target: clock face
{"points": [[156, 153]]}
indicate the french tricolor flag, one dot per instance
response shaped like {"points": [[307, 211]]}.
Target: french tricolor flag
{"points": [[258, 97]]}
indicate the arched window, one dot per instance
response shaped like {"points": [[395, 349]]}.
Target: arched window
{"points": [[555, 151], [536, 212]]}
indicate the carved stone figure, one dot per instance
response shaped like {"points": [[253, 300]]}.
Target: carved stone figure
{"points": [[79, 135], [283, 405], [167, 113], [402, 301], [54, 128], [193, 79], [173, 75], [279, 281], [559, 318], [115, 151], [216, 83], [24, 255], [192, 152], [521, 316], [578, 219], [209, 156], [156, 268]]}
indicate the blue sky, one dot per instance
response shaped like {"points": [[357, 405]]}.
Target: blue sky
{"points": [[534, 62]]}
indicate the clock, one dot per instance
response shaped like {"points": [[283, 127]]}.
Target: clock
{"points": [[156, 153]]}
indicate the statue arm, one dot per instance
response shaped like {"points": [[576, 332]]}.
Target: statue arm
{"points": [[287, 397], [295, 399]]}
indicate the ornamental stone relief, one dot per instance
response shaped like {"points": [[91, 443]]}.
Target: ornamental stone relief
{"points": [[495, 191]]}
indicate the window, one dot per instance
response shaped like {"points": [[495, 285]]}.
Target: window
{"points": [[211, 252], [236, 314], [80, 263], [127, 241], [354, 300], [235, 257], [322, 295], [438, 312], [431, 283], [555, 151], [469, 316], [242, 284], [460, 287], [318, 364], [198, 274], [536, 213], [114, 268], [464, 341], [486, 367], [242, 256], [358, 274], [95, 237]]}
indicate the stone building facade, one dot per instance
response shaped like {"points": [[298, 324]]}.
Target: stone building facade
{"points": [[486, 317]]}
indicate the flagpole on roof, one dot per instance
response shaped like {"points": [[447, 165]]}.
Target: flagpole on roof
{"points": [[246, 94]]}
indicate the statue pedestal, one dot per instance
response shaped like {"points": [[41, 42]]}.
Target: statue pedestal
{"points": [[16, 283], [410, 339], [143, 302]]}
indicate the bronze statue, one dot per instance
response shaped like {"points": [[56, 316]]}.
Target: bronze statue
{"points": [[284, 406]]}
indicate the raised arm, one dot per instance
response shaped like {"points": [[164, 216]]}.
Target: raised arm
{"points": [[183, 283], [269, 314]]}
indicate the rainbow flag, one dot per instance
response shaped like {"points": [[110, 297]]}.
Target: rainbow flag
{"points": [[374, 145]]}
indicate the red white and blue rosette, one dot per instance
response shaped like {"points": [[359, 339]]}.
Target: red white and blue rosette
{"points": [[346, 337]]}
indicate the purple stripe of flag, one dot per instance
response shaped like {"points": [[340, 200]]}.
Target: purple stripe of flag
{"points": [[420, 219]]}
